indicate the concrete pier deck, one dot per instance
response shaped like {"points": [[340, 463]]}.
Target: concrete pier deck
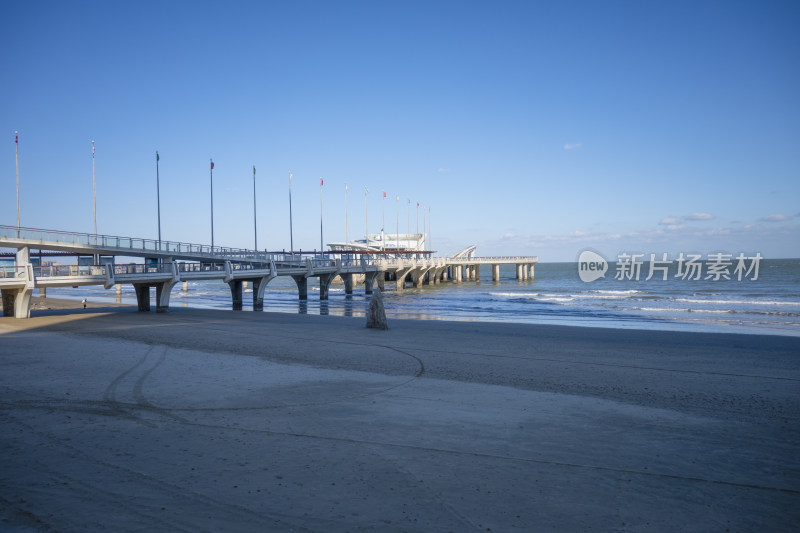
{"points": [[213, 421]]}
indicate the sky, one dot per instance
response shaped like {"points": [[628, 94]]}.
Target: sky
{"points": [[525, 128]]}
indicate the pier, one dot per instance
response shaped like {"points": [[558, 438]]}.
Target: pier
{"points": [[168, 263]]}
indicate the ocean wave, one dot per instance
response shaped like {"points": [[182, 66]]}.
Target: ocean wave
{"points": [[735, 302]]}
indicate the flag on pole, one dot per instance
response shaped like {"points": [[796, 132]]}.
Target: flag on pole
{"points": [[417, 204], [254, 170], [16, 137], [320, 182], [398, 198], [384, 194], [212, 165], [366, 191], [157, 157]]}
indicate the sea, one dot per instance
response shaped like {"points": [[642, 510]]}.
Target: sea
{"points": [[766, 303]]}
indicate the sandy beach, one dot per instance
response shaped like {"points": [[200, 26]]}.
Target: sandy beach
{"points": [[202, 420]]}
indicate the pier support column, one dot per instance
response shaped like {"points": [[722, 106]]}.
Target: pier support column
{"points": [[43, 292], [457, 273], [324, 285], [381, 280], [530, 269], [142, 296], [477, 272], [163, 290], [9, 297], [236, 293], [419, 278], [259, 284], [347, 279], [369, 279], [302, 285], [519, 272], [495, 272]]}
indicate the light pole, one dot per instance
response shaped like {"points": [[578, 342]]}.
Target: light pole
{"points": [[383, 222], [320, 216], [397, 222], [212, 204], [94, 196], [255, 225], [291, 231], [345, 215], [366, 218], [158, 200], [16, 158]]}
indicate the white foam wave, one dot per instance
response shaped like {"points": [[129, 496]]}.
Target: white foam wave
{"points": [[735, 302]]}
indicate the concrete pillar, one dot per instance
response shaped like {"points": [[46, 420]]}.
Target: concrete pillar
{"points": [[419, 278], [236, 293], [347, 279], [457, 273], [530, 269], [42, 292], [495, 272], [324, 285], [369, 279], [259, 285], [142, 296], [519, 272], [163, 290], [302, 286], [477, 272], [9, 297], [185, 286]]}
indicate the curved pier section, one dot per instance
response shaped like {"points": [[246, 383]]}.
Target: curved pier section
{"points": [[168, 263]]}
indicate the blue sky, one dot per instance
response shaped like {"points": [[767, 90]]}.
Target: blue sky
{"points": [[537, 128]]}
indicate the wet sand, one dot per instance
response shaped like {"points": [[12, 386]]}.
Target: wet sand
{"points": [[203, 420]]}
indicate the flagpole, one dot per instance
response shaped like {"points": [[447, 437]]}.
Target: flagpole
{"points": [[429, 229], [158, 200], [397, 222], [320, 216], [345, 215], [417, 218], [408, 216], [94, 196], [255, 225], [383, 222], [291, 230], [16, 158], [366, 218], [424, 233], [211, 171]]}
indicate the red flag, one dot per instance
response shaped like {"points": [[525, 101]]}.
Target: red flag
{"points": [[212, 165], [417, 204], [16, 138], [384, 194], [320, 182]]}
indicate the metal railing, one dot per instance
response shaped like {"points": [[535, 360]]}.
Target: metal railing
{"points": [[68, 270], [12, 272], [139, 268], [124, 244]]}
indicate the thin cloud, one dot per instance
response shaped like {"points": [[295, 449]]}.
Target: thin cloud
{"points": [[669, 221], [698, 216], [776, 218], [572, 146], [444, 170]]}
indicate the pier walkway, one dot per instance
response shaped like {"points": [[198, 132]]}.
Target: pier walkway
{"points": [[168, 263]]}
